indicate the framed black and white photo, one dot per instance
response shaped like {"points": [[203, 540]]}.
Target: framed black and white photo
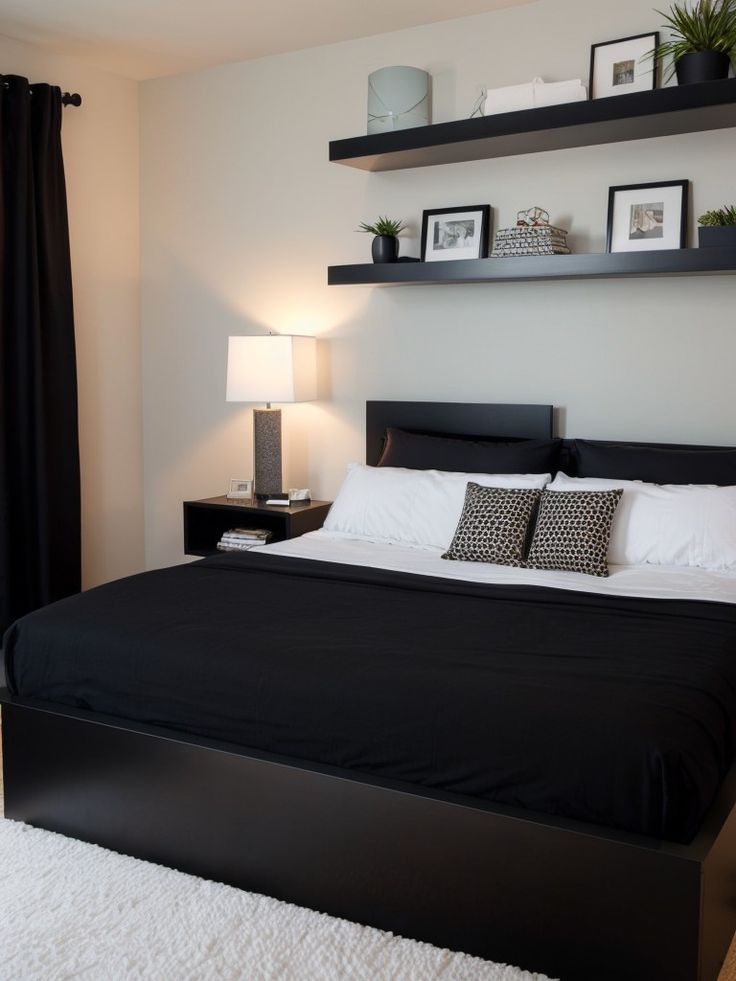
{"points": [[644, 217], [456, 233], [623, 66], [240, 490]]}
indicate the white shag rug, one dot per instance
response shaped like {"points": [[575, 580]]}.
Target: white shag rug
{"points": [[73, 910]]}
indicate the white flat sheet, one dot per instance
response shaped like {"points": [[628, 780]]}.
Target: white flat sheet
{"points": [[658, 582]]}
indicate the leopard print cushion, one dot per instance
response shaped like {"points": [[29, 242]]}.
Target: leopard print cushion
{"points": [[573, 531], [493, 525]]}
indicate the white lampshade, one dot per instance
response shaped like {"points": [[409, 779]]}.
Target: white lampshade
{"points": [[271, 368]]}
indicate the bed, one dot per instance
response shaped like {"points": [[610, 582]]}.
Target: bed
{"points": [[345, 757]]}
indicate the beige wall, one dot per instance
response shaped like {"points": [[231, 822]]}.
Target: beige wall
{"points": [[242, 213], [101, 155]]}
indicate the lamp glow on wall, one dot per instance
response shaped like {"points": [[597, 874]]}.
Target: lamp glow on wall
{"points": [[270, 368]]}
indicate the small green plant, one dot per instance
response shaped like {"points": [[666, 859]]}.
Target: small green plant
{"points": [[719, 216], [383, 226], [707, 25]]}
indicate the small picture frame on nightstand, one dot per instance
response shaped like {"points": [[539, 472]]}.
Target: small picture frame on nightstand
{"points": [[240, 490]]}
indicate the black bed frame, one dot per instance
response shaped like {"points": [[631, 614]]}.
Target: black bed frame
{"points": [[572, 900]]}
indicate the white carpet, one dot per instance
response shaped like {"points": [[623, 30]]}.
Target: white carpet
{"points": [[73, 910]]}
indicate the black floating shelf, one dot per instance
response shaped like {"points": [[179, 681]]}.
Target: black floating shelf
{"points": [[641, 115], [603, 265]]}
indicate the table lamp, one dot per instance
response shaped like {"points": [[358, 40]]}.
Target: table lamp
{"points": [[270, 368]]}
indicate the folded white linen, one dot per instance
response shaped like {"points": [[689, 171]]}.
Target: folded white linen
{"points": [[555, 93], [510, 98], [534, 94]]}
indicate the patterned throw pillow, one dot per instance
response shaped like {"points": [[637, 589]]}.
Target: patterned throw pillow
{"points": [[573, 531], [493, 525]]}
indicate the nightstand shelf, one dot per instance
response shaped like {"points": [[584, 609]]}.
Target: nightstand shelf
{"points": [[206, 520]]}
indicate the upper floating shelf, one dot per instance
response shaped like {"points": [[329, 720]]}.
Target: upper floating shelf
{"points": [[638, 116]]}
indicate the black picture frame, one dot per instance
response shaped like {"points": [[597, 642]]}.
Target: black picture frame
{"points": [[613, 191], [485, 228], [620, 40]]}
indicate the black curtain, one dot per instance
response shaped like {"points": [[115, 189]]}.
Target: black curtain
{"points": [[39, 444]]}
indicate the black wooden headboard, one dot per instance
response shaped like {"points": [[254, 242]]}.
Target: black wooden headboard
{"points": [[660, 463], [477, 419]]}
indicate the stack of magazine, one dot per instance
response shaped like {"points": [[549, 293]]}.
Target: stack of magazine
{"points": [[530, 240], [241, 539]]}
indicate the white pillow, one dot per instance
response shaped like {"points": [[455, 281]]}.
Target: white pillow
{"points": [[667, 524], [420, 508]]}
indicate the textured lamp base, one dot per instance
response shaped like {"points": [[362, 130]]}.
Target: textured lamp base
{"points": [[267, 452]]}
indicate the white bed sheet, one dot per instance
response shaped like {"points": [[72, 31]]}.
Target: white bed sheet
{"points": [[658, 582]]}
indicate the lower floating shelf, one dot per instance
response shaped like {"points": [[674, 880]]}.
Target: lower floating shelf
{"points": [[599, 265]]}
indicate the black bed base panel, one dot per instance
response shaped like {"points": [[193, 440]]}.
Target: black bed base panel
{"points": [[553, 896]]}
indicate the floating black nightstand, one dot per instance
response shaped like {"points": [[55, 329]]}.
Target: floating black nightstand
{"points": [[205, 521]]}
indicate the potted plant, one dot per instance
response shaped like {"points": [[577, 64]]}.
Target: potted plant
{"points": [[703, 40], [385, 245], [717, 227]]}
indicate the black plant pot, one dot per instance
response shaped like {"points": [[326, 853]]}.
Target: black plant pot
{"points": [[702, 66], [385, 248], [716, 236]]}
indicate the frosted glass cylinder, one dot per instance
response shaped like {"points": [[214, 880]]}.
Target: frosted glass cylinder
{"points": [[398, 98]]}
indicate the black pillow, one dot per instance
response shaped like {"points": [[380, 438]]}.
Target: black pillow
{"points": [[493, 525], [417, 451], [654, 464]]}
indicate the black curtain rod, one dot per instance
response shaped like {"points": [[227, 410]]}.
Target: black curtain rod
{"points": [[67, 98]]}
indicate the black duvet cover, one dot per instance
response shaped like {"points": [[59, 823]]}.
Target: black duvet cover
{"points": [[613, 710]]}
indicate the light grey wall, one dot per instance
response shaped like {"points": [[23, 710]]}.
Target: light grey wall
{"points": [[242, 213]]}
